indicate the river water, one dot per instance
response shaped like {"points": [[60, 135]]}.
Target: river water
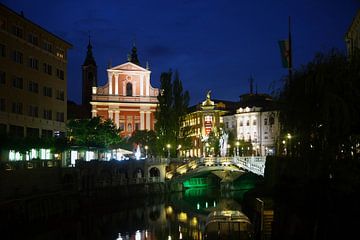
{"points": [[165, 217]]}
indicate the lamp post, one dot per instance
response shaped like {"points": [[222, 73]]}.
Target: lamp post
{"points": [[179, 147], [288, 136], [237, 148], [206, 149], [168, 146], [146, 150]]}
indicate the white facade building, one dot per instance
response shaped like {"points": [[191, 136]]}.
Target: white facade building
{"points": [[257, 124]]}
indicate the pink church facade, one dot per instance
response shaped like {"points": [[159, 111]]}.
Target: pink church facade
{"points": [[128, 98]]}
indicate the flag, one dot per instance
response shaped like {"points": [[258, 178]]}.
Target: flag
{"points": [[285, 53]]}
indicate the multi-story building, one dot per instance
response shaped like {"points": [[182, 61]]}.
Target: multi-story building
{"points": [[33, 78], [352, 36], [256, 120], [203, 118], [128, 97]]}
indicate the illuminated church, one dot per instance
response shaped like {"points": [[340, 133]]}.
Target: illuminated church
{"points": [[127, 98]]}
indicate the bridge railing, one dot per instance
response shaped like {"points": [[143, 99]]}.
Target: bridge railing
{"points": [[255, 164]]}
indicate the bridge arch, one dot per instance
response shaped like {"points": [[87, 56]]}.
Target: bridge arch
{"points": [[154, 172]]}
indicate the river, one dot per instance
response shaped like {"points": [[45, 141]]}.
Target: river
{"points": [[166, 217]]}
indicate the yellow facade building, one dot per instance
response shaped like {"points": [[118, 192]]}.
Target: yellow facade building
{"points": [[203, 119]]}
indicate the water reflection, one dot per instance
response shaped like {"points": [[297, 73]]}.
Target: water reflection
{"points": [[183, 215], [175, 216]]}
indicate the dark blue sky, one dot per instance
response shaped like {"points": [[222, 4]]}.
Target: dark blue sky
{"points": [[214, 45]]}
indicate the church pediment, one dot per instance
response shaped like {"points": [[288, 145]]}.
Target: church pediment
{"points": [[129, 66]]}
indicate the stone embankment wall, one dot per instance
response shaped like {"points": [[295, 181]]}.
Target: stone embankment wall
{"points": [[30, 195]]}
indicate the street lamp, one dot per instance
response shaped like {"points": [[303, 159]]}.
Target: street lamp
{"points": [[168, 146], [237, 148], [179, 147], [146, 150], [288, 136]]}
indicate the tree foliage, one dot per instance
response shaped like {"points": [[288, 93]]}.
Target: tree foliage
{"points": [[93, 132], [172, 107], [320, 108]]}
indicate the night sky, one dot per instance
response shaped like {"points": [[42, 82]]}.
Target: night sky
{"points": [[214, 45]]}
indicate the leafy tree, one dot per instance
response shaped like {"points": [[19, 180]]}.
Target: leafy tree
{"points": [[144, 138], [173, 103], [93, 132], [320, 109]]}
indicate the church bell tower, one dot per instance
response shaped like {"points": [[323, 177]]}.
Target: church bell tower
{"points": [[89, 78]]}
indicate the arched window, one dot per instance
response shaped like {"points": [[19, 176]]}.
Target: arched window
{"points": [[129, 89]]}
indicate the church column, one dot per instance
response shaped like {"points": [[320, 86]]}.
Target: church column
{"points": [[117, 115], [116, 84], [141, 85], [142, 120], [93, 113], [110, 82], [111, 115], [148, 127], [147, 88]]}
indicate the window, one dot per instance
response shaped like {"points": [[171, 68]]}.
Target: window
{"points": [[254, 122], [137, 126], [2, 78], [33, 111], [2, 105], [17, 107], [265, 121], [16, 131], [33, 87], [2, 50], [47, 114], [121, 126], [48, 46], [17, 31], [33, 63], [2, 23], [60, 116], [18, 57], [129, 127], [47, 68], [241, 123], [46, 133], [47, 92], [32, 38], [247, 123], [129, 89], [60, 53], [32, 132], [271, 120], [60, 95], [60, 74], [18, 82]]}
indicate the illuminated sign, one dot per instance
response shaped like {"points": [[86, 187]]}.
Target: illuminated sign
{"points": [[208, 124]]}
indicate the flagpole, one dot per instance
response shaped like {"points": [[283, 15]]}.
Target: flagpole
{"points": [[290, 52]]}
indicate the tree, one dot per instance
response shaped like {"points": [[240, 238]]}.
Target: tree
{"points": [[320, 110], [144, 138], [93, 132], [173, 103]]}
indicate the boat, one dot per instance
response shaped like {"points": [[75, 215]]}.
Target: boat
{"points": [[226, 225]]}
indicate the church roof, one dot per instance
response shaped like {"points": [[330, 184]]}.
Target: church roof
{"points": [[89, 60], [128, 66]]}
